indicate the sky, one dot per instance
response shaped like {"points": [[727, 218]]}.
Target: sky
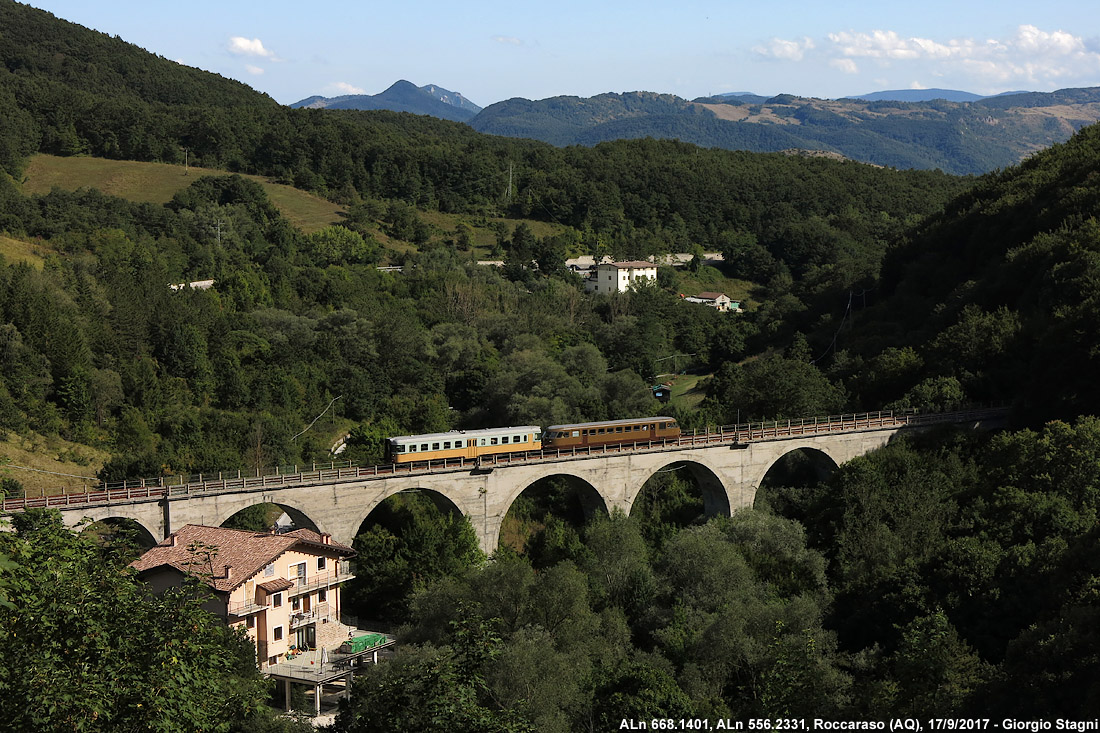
{"points": [[490, 51]]}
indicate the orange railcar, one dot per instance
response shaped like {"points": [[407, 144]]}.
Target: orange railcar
{"points": [[638, 430]]}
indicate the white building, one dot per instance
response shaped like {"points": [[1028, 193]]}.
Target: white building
{"points": [[617, 277]]}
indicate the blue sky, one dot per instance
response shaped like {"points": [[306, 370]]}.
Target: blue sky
{"points": [[491, 51]]}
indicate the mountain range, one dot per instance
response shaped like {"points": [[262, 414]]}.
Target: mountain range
{"points": [[957, 132]]}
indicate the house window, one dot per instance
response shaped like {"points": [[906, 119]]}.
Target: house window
{"points": [[269, 570], [276, 600], [298, 570], [295, 604], [321, 563], [250, 622], [322, 595], [277, 633]]}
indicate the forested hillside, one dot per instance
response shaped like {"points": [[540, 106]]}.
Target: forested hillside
{"points": [[948, 574], [994, 298]]}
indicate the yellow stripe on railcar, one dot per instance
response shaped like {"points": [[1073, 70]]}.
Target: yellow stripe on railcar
{"points": [[463, 444]]}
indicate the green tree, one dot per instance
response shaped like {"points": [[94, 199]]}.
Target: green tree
{"points": [[87, 647], [422, 689]]}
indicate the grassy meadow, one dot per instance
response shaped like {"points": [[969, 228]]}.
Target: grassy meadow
{"points": [[158, 182]]}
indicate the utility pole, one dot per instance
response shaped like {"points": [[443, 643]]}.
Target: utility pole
{"points": [[508, 196], [185, 151]]}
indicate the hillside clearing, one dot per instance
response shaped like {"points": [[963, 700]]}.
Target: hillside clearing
{"points": [[48, 464], [157, 183], [15, 250]]}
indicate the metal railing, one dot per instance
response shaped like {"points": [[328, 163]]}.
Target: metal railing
{"points": [[326, 580], [228, 482]]}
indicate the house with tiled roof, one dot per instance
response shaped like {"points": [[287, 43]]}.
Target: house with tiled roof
{"points": [[719, 301], [284, 589], [617, 277]]}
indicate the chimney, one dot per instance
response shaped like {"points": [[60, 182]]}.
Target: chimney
{"points": [[172, 540], [326, 538], [228, 572]]}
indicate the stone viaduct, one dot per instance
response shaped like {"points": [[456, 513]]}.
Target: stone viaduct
{"points": [[729, 466]]}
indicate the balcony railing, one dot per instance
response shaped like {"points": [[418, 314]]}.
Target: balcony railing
{"points": [[325, 580], [244, 608], [303, 618]]}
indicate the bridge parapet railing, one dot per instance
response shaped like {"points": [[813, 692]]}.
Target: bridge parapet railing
{"points": [[214, 483]]}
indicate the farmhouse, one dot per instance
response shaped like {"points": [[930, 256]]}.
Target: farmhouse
{"points": [[617, 277], [284, 589]]}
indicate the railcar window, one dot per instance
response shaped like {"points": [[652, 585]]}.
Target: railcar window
{"points": [[538, 436], [504, 440], [399, 449], [619, 429], [412, 449], [435, 446], [423, 446], [576, 433], [492, 441]]}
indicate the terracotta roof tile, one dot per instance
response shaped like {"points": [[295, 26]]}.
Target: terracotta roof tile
{"points": [[633, 264], [245, 553]]}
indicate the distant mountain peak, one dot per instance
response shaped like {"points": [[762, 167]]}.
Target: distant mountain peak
{"points": [[402, 96]]}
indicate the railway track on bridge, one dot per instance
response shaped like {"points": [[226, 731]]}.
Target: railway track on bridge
{"points": [[733, 435]]}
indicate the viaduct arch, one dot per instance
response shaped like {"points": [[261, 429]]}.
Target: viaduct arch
{"points": [[729, 467]]}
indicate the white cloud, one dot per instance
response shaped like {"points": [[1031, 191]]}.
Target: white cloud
{"points": [[918, 85], [891, 45], [508, 40], [1033, 41], [779, 48], [240, 46], [256, 70], [342, 87], [846, 65], [1029, 56]]}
